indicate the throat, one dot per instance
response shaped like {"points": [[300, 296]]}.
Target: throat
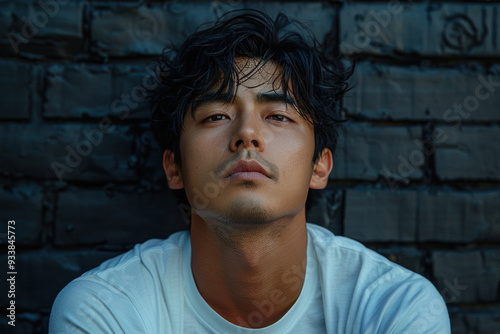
{"points": [[242, 277]]}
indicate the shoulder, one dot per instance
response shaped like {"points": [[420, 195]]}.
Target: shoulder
{"points": [[121, 293], [147, 254], [344, 255], [386, 297], [90, 305]]}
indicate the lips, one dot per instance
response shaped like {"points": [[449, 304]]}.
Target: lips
{"points": [[247, 169]]}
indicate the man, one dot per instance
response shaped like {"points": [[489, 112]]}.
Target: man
{"points": [[246, 114]]}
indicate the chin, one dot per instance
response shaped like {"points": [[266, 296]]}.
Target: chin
{"points": [[247, 212]]}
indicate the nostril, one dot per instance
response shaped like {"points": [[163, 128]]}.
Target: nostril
{"points": [[254, 142]]}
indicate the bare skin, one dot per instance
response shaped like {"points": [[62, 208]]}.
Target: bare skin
{"points": [[235, 277], [246, 168]]}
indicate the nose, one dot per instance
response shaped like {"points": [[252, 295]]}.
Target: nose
{"points": [[248, 133]]}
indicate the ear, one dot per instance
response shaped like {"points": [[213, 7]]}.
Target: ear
{"points": [[321, 170], [172, 171]]}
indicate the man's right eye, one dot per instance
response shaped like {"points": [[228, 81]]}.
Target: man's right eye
{"points": [[215, 118]]}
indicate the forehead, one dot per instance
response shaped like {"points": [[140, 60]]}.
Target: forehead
{"points": [[254, 71], [252, 77]]}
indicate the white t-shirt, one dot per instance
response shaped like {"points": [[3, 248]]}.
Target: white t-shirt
{"points": [[347, 289]]}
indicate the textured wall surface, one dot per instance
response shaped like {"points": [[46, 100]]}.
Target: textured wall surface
{"points": [[416, 176]]}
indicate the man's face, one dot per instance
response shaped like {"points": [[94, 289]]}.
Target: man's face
{"points": [[249, 161]]}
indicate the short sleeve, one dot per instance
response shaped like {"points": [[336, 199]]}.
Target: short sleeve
{"points": [[90, 306], [423, 311], [412, 306]]}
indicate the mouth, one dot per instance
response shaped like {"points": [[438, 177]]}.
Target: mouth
{"points": [[247, 170]]}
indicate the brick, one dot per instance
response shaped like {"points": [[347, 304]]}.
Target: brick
{"points": [[97, 91], [326, 209], [77, 90], [320, 17], [64, 152], [484, 323], [26, 322], [468, 276], [17, 94], [150, 157], [22, 326], [385, 92], [130, 85], [142, 30], [458, 325], [439, 30], [23, 204], [423, 216], [462, 217], [5, 19], [120, 31], [487, 321], [409, 258], [385, 216], [52, 270], [367, 152], [41, 28], [468, 153], [117, 219]]}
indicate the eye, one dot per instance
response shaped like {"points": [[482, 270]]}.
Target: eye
{"points": [[279, 118], [215, 118]]}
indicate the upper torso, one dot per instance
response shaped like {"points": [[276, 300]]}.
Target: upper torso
{"points": [[347, 289]]}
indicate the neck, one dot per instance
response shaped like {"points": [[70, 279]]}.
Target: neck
{"points": [[241, 271]]}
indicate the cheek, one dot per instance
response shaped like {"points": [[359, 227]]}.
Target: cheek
{"points": [[296, 165], [199, 156], [299, 174], [295, 149]]}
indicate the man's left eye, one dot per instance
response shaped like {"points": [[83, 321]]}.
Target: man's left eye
{"points": [[279, 118]]}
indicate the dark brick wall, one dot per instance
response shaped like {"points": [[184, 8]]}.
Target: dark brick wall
{"points": [[417, 172]]}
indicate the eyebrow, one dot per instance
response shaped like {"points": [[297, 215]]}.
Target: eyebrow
{"points": [[273, 96], [210, 97], [261, 97]]}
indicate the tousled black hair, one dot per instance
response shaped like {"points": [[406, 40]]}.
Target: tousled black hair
{"points": [[206, 61]]}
